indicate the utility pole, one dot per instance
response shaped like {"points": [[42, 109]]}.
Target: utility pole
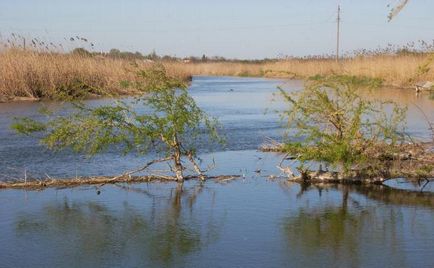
{"points": [[338, 33]]}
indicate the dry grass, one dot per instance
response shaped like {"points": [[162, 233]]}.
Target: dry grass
{"points": [[393, 70], [218, 68], [34, 75]]}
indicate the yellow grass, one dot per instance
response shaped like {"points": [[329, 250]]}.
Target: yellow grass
{"points": [[34, 74], [393, 70]]}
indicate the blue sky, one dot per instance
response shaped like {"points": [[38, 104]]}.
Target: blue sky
{"points": [[230, 28]]}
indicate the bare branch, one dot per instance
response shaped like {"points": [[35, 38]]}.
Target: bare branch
{"points": [[285, 170], [129, 173], [196, 166], [397, 9]]}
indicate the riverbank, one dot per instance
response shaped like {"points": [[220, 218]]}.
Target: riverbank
{"points": [[33, 75]]}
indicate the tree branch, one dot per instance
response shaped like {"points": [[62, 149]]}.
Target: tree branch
{"points": [[129, 173]]}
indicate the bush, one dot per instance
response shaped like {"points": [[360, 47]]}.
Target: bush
{"points": [[334, 125]]}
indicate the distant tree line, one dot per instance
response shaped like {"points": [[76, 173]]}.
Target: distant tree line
{"points": [[153, 56]]}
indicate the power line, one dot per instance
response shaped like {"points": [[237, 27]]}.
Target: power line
{"points": [[199, 29], [338, 33]]}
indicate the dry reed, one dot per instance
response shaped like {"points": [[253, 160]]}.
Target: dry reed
{"points": [[27, 74], [40, 74], [394, 70]]}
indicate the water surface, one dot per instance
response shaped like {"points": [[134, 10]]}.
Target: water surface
{"points": [[251, 222]]}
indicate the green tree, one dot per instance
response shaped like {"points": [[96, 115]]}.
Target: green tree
{"points": [[171, 124], [333, 124], [81, 52]]}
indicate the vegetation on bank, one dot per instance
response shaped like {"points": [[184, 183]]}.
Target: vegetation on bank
{"points": [[30, 74], [36, 74]]}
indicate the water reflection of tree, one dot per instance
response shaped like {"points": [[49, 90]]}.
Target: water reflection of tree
{"points": [[90, 233], [328, 229], [348, 234]]}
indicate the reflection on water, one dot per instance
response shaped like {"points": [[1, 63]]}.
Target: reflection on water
{"points": [[416, 120], [246, 223], [350, 233], [91, 234]]}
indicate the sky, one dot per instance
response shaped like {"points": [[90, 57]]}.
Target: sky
{"points": [[245, 29]]}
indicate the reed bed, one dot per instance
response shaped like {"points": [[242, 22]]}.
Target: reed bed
{"points": [[218, 68], [393, 70], [397, 71], [27, 74], [33, 74]]}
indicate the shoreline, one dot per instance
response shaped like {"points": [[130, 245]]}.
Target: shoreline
{"points": [[21, 99]]}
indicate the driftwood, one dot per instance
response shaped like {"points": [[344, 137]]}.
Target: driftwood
{"points": [[271, 146], [408, 161], [35, 184]]}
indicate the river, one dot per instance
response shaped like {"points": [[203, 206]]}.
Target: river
{"points": [[254, 221]]}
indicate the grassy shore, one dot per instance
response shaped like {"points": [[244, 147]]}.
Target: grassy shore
{"points": [[393, 70], [26, 74], [31, 75]]}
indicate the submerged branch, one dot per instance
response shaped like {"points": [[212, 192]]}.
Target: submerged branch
{"points": [[129, 173], [36, 184]]}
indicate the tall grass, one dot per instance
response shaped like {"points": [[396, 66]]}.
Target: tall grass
{"points": [[35, 74], [44, 74], [398, 71], [30, 74], [394, 70]]}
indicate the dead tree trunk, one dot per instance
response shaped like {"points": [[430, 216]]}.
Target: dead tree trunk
{"points": [[177, 159]]}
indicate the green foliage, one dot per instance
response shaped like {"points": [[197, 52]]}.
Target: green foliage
{"points": [[26, 126], [175, 113], [357, 81], [124, 84], [244, 73], [82, 52], [171, 122], [333, 124], [74, 90], [424, 171], [116, 53]]}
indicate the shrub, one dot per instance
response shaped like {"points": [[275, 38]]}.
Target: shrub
{"points": [[334, 125]]}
